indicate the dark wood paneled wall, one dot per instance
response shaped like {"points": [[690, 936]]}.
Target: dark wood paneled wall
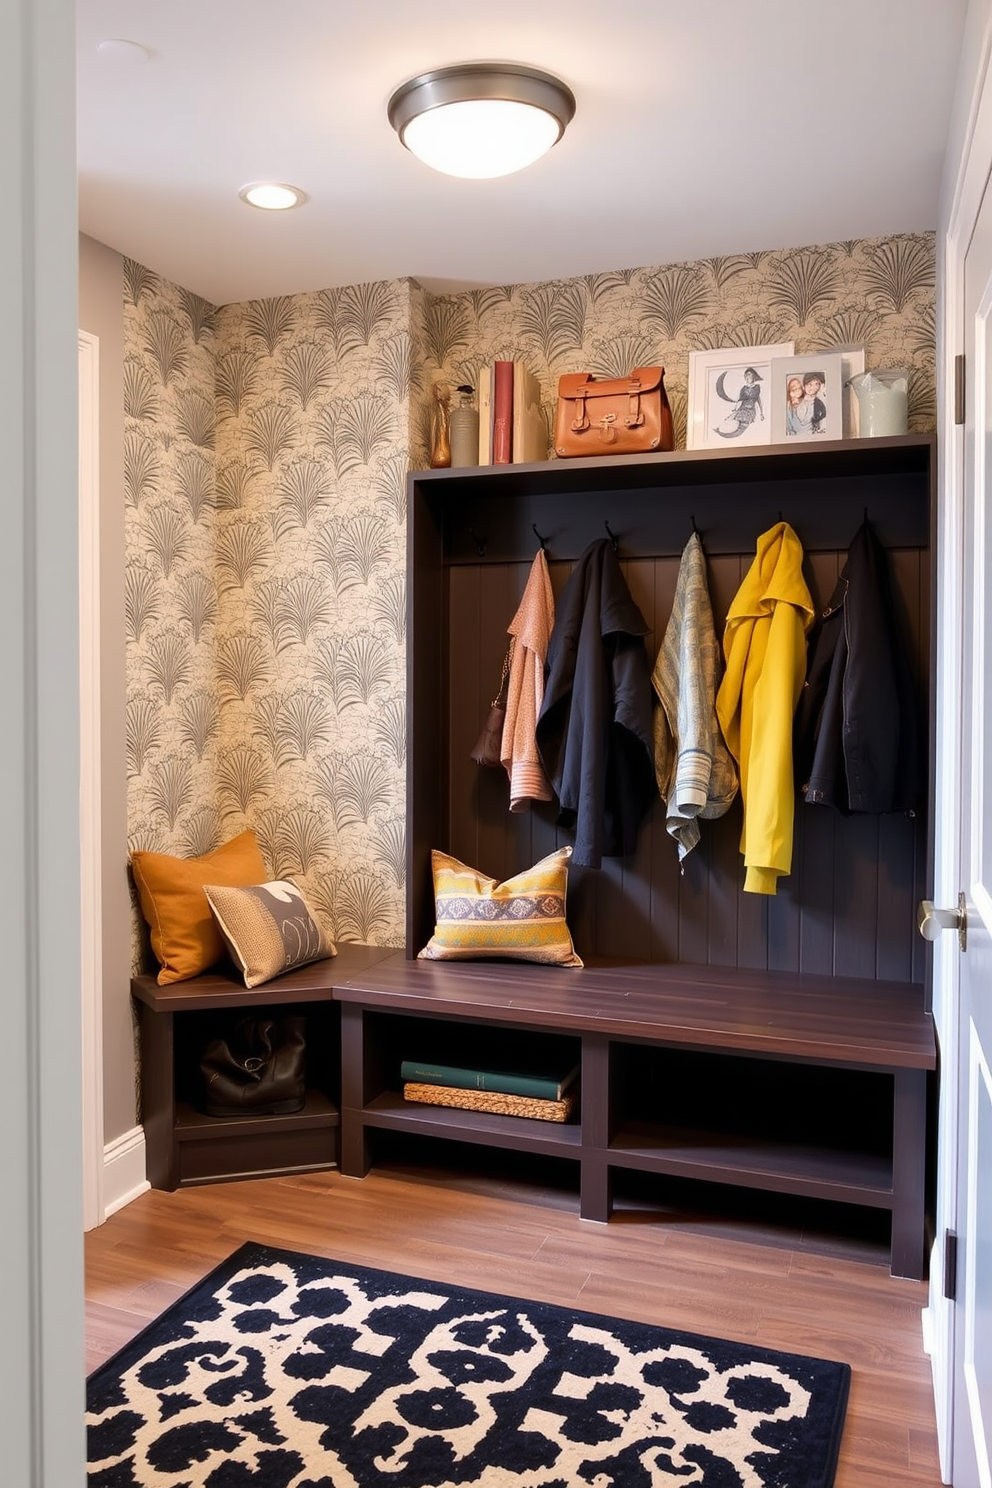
{"points": [[848, 908]]}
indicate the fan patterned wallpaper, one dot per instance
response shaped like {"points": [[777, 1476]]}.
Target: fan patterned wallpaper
{"points": [[266, 451], [878, 293]]}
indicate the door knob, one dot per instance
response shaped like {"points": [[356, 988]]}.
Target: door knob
{"points": [[932, 921]]}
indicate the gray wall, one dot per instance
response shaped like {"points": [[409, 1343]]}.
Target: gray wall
{"points": [[100, 313]]}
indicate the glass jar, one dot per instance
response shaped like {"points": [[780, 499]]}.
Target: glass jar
{"points": [[883, 402], [464, 429]]}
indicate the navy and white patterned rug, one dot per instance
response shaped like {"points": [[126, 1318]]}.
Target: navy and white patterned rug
{"points": [[283, 1370]]}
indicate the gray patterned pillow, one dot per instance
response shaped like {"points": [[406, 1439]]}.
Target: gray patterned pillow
{"points": [[268, 929]]}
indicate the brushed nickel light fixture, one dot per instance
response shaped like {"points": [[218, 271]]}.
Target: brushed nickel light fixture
{"points": [[481, 119]]}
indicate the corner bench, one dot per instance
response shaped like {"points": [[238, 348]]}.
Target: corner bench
{"points": [[735, 1077]]}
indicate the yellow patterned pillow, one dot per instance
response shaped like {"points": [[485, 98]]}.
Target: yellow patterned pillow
{"points": [[523, 918]]}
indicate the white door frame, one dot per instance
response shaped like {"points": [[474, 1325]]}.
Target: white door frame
{"points": [[90, 835], [41, 1363], [967, 187]]}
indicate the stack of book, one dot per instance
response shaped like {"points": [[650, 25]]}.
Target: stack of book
{"points": [[543, 1097], [511, 425]]}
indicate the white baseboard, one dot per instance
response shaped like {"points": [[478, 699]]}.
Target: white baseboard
{"points": [[124, 1170]]}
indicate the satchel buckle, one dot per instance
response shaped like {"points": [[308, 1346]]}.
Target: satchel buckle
{"points": [[635, 417], [607, 433], [580, 420]]}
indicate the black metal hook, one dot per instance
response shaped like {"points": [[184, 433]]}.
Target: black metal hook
{"points": [[695, 529], [612, 536], [481, 543], [542, 540]]}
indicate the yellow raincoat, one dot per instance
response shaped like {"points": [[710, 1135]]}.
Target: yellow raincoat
{"points": [[764, 643]]}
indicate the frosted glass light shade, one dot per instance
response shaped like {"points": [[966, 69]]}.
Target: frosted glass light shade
{"points": [[481, 119]]}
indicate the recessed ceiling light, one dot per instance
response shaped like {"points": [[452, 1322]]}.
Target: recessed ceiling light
{"points": [[481, 119], [272, 196], [116, 49]]}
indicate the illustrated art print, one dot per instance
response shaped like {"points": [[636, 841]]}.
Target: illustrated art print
{"points": [[806, 394], [728, 396]]}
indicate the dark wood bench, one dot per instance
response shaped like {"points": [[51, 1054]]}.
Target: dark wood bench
{"points": [[846, 1061]]}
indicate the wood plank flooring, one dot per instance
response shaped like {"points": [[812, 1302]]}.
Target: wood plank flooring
{"points": [[784, 1285]]}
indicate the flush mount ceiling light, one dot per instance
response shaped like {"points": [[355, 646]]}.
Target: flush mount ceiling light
{"points": [[481, 119], [272, 196]]}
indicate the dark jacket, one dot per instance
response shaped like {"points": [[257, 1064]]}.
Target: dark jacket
{"points": [[594, 731], [857, 725]]}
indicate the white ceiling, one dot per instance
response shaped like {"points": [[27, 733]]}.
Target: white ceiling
{"points": [[701, 128]]}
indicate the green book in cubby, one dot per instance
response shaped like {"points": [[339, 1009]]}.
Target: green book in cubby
{"points": [[540, 1086]]}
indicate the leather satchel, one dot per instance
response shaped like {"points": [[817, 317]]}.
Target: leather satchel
{"points": [[489, 745], [621, 416], [258, 1069]]}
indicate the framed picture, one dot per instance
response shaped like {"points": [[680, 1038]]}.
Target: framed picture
{"points": [[806, 394], [728, 396]]}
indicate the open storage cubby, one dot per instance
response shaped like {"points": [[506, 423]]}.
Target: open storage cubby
{"points": [[779, 1043], [687, 1112], [183, 1145], [373, 1086], [468, 1045]]}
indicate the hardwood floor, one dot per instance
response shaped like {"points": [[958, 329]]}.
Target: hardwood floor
{"points": [[789, 1284]]}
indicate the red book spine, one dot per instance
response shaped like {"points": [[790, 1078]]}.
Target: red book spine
{"points": [[502, 413]]}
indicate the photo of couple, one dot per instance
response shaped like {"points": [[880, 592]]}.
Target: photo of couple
{"points": [[805, 409]]}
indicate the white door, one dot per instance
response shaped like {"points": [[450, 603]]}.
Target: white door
{"points": [[972, 1411]]}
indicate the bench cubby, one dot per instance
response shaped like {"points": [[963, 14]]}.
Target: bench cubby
{"points": [[183, 1146]]}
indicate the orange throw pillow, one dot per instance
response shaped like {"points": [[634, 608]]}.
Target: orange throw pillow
{"points": [[184, 934]]}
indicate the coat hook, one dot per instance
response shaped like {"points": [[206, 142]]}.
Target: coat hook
{"points": [[481, 543], [695, 529], [542, 540], [612, 536]]}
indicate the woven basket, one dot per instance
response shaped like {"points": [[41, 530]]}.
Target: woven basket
{"points": [[491, 1100]]}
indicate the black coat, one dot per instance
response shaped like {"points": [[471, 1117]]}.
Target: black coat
{"points": [[858, 744], [594, 730]]}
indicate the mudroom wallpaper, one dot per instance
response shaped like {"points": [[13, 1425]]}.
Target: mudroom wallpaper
{"points": [[267, 447], [170, 592], [266, 590], [313, 447], [878, 293]]}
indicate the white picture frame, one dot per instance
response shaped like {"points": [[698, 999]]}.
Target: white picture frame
{"points": [[853, 366], [717, 383], [806, 394]]}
